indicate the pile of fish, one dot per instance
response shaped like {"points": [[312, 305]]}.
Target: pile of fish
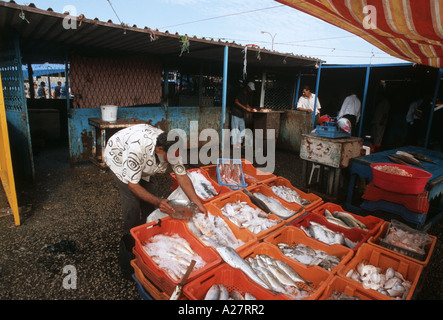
{"points": [[401, 236], [203, 187], [289, 195], [336, 295], [220, 292], [173, 254], [323, 234], [309, 256], [407, 158], [280, 277], [275, 206], [344, 219], [245, 216], [230, 173], [394, 170], [390, 282], [213, 231]]}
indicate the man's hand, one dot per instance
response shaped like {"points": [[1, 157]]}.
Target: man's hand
{"points": [[165, 207]]}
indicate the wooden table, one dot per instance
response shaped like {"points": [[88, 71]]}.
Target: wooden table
{"points": [[100, 131], [267, 120]]}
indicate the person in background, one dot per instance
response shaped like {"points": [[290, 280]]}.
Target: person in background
{"points": [[58, 90], [380, 120], [351, 110], [135, 155], [307, 101], [41, 92], [242, 103]]}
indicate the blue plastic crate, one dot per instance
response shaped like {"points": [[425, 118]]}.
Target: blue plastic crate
{"points": [[398, 209], [142, 292], [330, 132], [231, 186]]}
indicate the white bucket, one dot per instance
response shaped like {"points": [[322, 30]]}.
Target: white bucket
{"points": [[109, 113]]}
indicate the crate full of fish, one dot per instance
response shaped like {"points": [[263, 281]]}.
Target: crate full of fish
{"points": [[167, 249], [147, 291], [345, 289], [286, 191], [253, 175], [238, 208], [214, 230], [400, 178], [296, 245], [230, 174], [227, 283], [320, 229], [387, 275], [402, 239], [336, 215], [205, 188], [285, 210], [280, 274]]}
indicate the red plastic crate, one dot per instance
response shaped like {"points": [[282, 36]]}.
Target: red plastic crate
{"points": [[318, 277], [348, 287], [221, 190], [429, 248], [384, 259], [311, 197], [244, 235], [265, 190], [291, 235], [170, 226], [416, 203], [240, 196], [373, 223], [254, 176], [355, 235], [396, 183], [232, 279]]}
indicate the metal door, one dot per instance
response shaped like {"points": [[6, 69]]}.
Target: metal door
{"points": [[17, 113]]}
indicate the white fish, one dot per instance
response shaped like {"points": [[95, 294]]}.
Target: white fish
{"points": [[224, 294], [213, 293], [275, 206], [202, 186], [289, 195], [323, 234]]}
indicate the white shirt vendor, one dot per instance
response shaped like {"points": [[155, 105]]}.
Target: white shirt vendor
{"points": [[306, 103], [351, 106], [130, 154]]}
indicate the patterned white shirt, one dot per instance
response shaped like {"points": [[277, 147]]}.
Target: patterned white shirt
{"points": [[130, 154]]}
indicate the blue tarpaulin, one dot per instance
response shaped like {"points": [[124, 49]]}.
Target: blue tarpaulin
{"points": [[39, 70]]}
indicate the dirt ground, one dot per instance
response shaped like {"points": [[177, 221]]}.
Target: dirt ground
{"points": [[73, 220]]}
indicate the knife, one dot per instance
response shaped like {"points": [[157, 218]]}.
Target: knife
{"points": [[178, 290], [259, 203]]}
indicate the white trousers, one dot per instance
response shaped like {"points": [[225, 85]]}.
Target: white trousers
{"points": [[238, 130]]}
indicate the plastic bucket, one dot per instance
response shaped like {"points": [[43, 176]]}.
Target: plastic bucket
{"points": [[109, 113]]}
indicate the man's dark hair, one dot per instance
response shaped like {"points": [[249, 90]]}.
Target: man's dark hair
{"points": [[162, 141], [306, 87]]}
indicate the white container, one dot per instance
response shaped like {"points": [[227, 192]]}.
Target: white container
{"points": [[109, 113]]}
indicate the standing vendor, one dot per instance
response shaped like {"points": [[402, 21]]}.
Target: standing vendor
{"points": [[242, 102], [307, 101], [351, 110], [135, 155]]}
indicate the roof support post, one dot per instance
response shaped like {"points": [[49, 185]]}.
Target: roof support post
{"points": [[297, 92], [317, 86], [225, 92], [434, 102], [363, 104], [165, 87]]}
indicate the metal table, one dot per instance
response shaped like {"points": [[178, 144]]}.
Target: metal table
{"points": [[361, 167], [100, 129], [334, 154]]}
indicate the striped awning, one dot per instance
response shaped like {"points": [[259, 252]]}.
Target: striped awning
{"points": [[411, 30]]}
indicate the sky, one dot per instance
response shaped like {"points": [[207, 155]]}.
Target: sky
{"points": [[239, 21]]}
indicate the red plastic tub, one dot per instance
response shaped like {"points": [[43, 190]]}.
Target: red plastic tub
{"points": [[400, 184]]}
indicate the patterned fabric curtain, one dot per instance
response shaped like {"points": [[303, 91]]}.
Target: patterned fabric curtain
{"points": [[121, 81]]}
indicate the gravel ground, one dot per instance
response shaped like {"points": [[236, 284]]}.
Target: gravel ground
{"points": [[73, 219]]}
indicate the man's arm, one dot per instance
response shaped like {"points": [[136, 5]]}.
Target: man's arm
{"points": [[188, 188], [146, 196], [247, 107]]}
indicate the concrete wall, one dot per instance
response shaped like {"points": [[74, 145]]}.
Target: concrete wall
{"points": [[292, 125]]}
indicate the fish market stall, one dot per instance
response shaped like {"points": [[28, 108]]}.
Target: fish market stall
{"points": [[270, 241], [265, 119], [320, 153], [412, 207]]}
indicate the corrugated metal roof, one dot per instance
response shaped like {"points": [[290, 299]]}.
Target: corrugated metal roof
{"points": [[43, 38]]}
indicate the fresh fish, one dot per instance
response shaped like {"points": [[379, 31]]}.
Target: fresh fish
{"points": [[202, 186], [408, 158], [281, 276], [421, 157], [323, 234], [231, 257], [289, 195], [290, 272], [336, 295], [396, 159], [213, 293], [249, 296], [350, 220], [335, 220], [275, 206], [236, 295], [275, 284], [224, 294]]}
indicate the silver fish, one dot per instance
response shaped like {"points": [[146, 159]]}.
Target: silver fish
{"points": [[275, 206], [329, 216], [349, 220], [290, 272], [224, 294], [249, 296], [236, 295], [289, 195], [213, 293], [231, 257]]}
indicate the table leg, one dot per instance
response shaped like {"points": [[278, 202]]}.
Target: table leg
{"points": [[336, 181], [103, 145], [304, 173], [94, 142]]}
